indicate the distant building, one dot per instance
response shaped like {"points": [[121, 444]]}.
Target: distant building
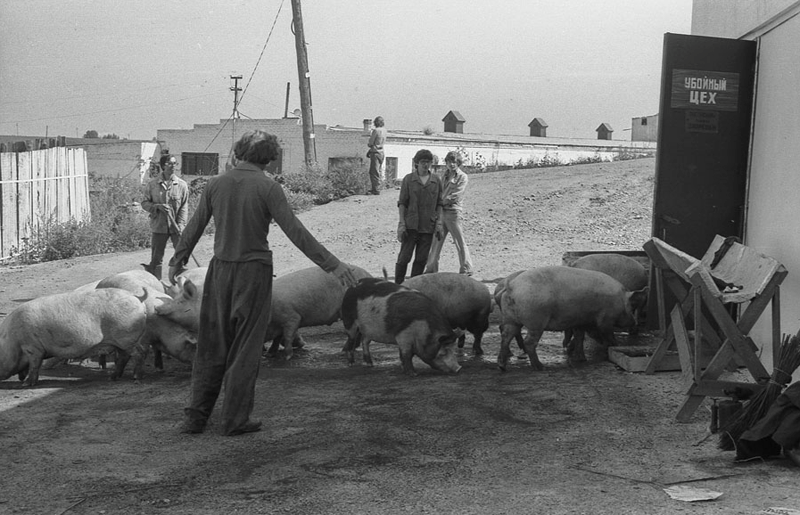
{"points": [[604, 131], [454, 122], [538, 128], [104, 157], [644, 128], [347, 146]]}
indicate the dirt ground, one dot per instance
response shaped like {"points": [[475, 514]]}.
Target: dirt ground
{"points": [[585, 438]]}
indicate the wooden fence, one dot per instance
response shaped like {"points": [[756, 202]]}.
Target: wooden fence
{"points": [[39, 187]]}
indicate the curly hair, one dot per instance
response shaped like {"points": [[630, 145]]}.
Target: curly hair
{"points": [[378, 121], [454, 157], [257, 147]]}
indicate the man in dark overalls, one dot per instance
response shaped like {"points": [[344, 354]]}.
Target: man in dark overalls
{"points": [[235, 310]]}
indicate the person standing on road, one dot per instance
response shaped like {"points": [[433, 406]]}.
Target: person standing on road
{"points": [[235, 309], [166, 198], [420, 207], [375, 154], [454, 185]]}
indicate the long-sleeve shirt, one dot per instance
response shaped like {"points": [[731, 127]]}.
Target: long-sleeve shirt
{"points": [[243, 202], [421, 201], [174, 194], [454, 186]]}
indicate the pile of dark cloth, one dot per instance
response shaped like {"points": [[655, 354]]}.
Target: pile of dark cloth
{"points": [[778, 430]]}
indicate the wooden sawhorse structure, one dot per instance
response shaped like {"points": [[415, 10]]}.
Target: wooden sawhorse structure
{"points": [[740, 275]]}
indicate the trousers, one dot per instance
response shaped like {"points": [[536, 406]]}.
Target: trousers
{"points": [[451, 219], [234, 316]]}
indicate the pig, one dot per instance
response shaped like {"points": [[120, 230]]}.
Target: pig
{"points": [[71, 325], [465, 302], [498, 292], [163, 334], [380, 310], [625, 269], [196, 275], [556, 298], [304, 298]]}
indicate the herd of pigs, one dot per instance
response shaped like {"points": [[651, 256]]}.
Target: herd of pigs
{"points": [[128, 314]]}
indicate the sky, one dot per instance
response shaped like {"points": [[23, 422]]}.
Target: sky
{"points": [[132, 68]]}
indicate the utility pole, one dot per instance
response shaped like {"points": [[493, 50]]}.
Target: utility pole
{"points": [[305, 84], [236, 89], [286, 109]]}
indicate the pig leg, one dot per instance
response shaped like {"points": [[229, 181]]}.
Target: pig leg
{"points": [[289, 334], [462, 339], [158, 359], [508, 330], [530, 344], [476, 344], [365, 351], [34, 363], [567, 338], [406, 345], [119, 364], [575, 346], [276, 344]]}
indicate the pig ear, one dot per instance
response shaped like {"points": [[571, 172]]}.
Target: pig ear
{"points": [[189, 289]]}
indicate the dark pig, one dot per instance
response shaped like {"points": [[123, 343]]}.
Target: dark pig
{"points": [[71, 325], [556, 298], [465, 302], [386, 312], [305, 298]]}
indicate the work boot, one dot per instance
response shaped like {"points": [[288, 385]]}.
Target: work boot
{"points": [[417, 267], [147, 268], [400, 273], [192, 426], [156, 271]]}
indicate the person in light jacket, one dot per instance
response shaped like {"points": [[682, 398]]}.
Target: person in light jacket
{"points": [[166, 198]]}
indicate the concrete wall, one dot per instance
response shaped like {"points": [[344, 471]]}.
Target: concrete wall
{"points": [[219, 138], [773, 210]]}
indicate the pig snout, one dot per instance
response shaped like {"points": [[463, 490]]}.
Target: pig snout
{"points": [[446, 360]]}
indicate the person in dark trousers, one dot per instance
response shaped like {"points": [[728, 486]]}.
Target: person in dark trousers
{"points": [[375, 153], [166, 198], [420, 207], [235, 309]]}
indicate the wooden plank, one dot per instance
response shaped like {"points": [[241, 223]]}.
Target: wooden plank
{"points": [[81, 168], [717, 388], [682, 343], [51, 187], [24, 195], [38, 187], [9, 232]]}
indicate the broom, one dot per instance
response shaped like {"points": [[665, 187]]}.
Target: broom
{"points": [[759, 404]]}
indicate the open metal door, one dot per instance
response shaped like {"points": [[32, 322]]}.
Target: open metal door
{"points": [[703, 145], [703, 140]]}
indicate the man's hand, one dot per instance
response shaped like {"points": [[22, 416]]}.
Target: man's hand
{"points": [[401, 232], [174, 272], [344, 273]]}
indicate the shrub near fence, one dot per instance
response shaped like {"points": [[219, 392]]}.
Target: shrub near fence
{"points": [[38, 187]]}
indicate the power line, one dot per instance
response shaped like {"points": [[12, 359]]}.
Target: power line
{"points": [[262, 50], [109, 110]]}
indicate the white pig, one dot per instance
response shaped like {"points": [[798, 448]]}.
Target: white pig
{"points": [[556, 298], [71, 325], [305, 298]]}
